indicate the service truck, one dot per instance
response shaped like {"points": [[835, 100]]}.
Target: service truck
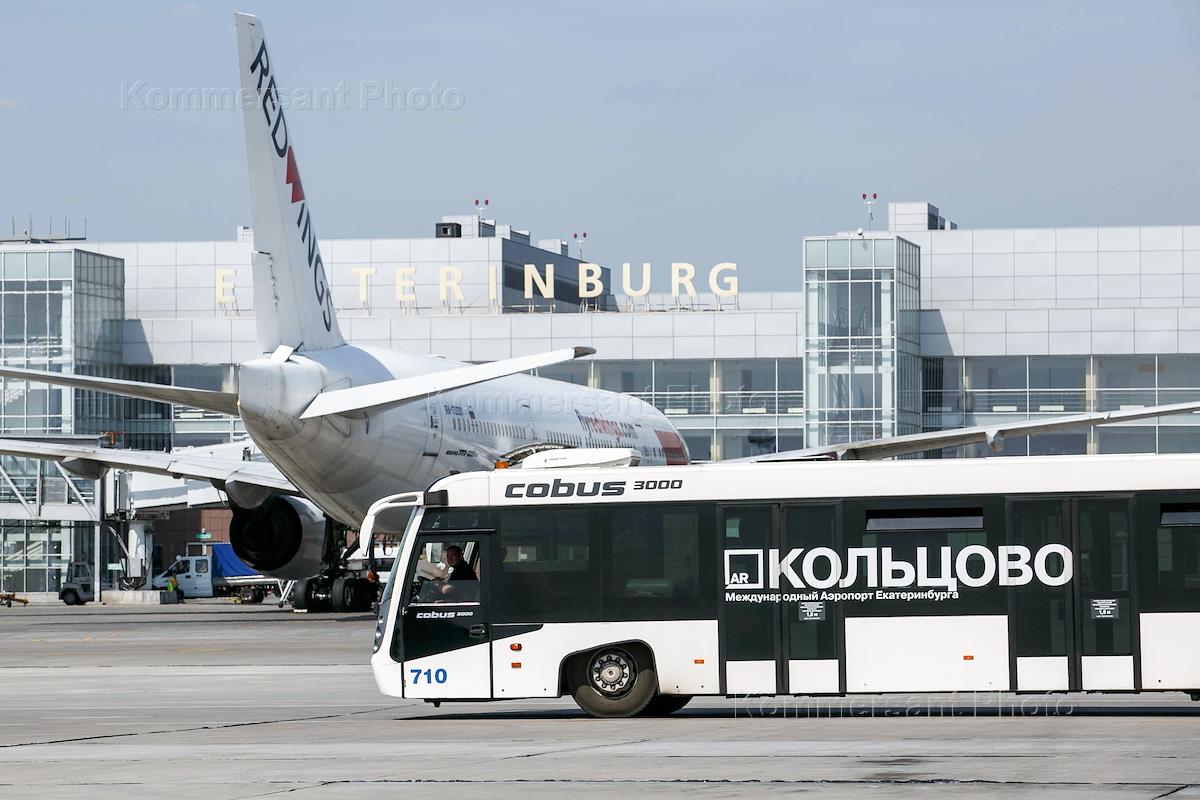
{"points": [[214, 571]]}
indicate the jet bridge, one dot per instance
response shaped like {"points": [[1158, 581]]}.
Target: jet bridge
{"points": [[149, 493]]}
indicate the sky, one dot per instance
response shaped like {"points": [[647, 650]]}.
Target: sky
{"points": [[672, 131]]}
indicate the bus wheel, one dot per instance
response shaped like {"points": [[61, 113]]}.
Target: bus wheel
{"points": [[662, 705], [613, 682]]}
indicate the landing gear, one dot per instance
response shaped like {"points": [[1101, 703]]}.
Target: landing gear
{"points": [[342, 594], [337, 587], [614, 681]]}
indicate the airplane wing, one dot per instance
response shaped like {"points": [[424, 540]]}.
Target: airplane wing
{"points": [[206, 399], [400, 390], [992, 435], [82, 458]]}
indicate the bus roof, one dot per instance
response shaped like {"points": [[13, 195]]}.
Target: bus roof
{"points": [[821, 480]]}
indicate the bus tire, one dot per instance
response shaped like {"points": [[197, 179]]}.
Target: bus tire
{"points": [[342, 596], [663, 705], [614, 681]]}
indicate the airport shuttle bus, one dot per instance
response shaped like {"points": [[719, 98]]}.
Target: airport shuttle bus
{"points": [[634, 590]]}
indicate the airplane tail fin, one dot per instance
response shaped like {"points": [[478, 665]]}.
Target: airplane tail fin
{"points": [[293, 305]]}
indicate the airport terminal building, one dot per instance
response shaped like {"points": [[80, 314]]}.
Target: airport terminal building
{"points": [[924, 326]]}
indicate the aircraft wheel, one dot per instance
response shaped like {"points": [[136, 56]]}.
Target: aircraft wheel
{"points": [[343, 595], [614, 681], [300, 595]]}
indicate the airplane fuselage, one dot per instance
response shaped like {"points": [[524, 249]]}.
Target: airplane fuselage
{"points": [[344, 463]]}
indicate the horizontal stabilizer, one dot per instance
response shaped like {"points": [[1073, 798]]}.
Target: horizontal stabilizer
{"points": [[206, 399], [385, 393], [991, 435]]}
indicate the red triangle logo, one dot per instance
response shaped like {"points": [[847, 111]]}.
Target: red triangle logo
{"points": [[293, 177]]}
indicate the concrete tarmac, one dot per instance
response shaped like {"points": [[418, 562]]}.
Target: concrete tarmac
{"points": [[221, 701]]}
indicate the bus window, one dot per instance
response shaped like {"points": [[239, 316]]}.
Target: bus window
{"points": [[909, 532], [454, 519], [654, 563], [446, 572], [1169, 557], [546, 570]]}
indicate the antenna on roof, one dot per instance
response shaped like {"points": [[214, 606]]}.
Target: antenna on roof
{"points": [[481, 206], [868, 202], [579, 239]]}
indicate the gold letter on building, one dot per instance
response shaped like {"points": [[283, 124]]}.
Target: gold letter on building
{"points": [[730, 287], [681, 275], [448, 278], [590, 284], [545, 287], [225, 287]]}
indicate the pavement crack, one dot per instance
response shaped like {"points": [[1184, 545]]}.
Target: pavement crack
{"points": [[574, 749], [224, 726]]}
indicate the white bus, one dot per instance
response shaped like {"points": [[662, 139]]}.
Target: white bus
{"points": [[634, 590]]}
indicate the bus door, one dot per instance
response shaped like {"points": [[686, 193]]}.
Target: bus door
{"points": [[778, 636], [1042, 618], [1106, 631], [445, 641]]}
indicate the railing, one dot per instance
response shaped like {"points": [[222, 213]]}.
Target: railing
{"points": [[1025, 401], [745, 403], [683, 403], [1124, 399]]}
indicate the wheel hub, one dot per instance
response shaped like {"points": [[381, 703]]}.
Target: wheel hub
{"points": [[612, 673]]}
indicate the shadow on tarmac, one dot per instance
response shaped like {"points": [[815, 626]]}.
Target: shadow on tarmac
{"points": [[757, 708]]}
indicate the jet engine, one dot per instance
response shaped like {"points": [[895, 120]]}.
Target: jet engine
{"points": [[285, 537]]}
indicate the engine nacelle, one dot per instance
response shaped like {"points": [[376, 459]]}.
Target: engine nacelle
{"points": [[283, 538]]}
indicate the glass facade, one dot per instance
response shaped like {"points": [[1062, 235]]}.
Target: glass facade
{"points": [[960, 392], [62, 311], [862, 338], [725, 408], [34, 555]]}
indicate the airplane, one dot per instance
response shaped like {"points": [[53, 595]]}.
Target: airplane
{"points": [[343, 425]]}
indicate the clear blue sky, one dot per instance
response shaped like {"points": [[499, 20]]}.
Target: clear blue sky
{"points": [[687, 131]]}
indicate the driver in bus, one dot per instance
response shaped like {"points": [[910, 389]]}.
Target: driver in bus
{"points": [[459, 569]]}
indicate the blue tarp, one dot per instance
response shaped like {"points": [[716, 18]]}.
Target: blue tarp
{"points": [[226, 564]]}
